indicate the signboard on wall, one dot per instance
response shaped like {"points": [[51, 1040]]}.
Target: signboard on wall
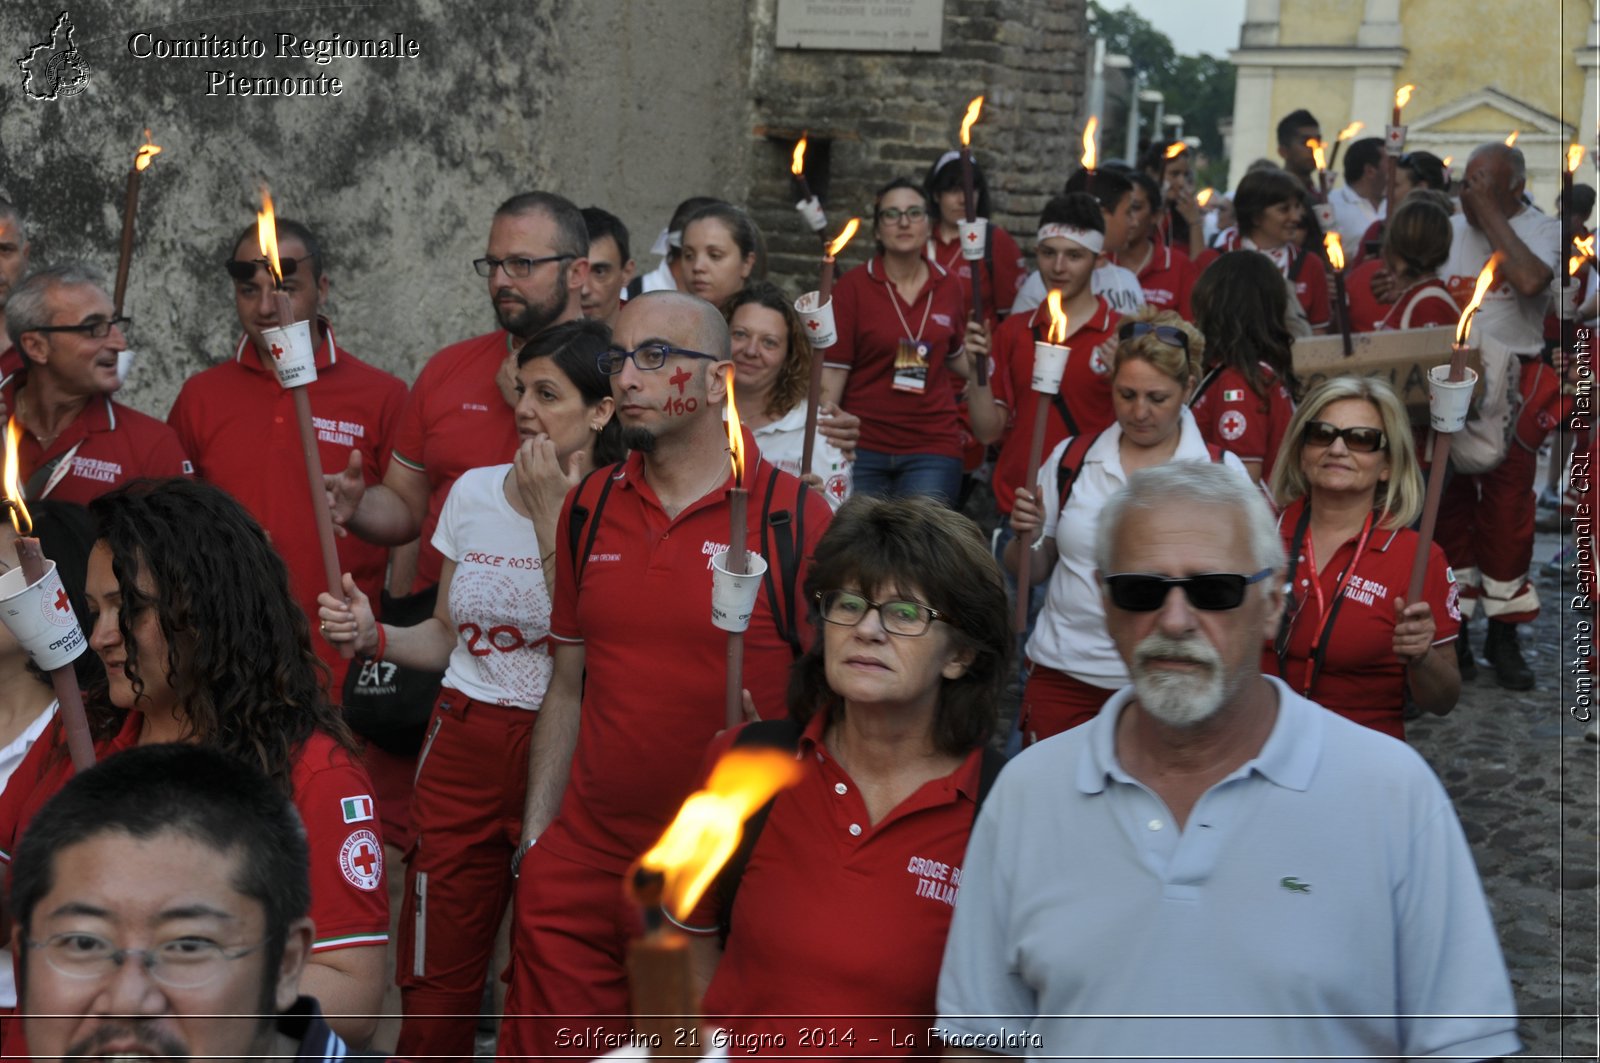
{"points": [[862, 25]]}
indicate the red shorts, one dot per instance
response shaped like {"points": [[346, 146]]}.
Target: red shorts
{"points": [[1053, 702]]}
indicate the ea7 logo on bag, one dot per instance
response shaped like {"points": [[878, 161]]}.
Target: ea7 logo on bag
{"points": [[377, 677], [356, 809]]}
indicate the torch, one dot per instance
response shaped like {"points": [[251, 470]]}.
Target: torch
{"points": [[735, 573], [1327, 221], [130, 208], [35, 606], [1335, 249], [670, 879], [1394, 139], [1345, 134], [973, 235], [1511, 138], [824, 298], [1049, 363], [809, 206], [294, 361], [1449, 399], [1091, 153]]}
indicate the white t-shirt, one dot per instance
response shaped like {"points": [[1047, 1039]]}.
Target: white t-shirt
{"points": [[1071, 633], [1117, 284], [1353, 215], [10, 757], [783, 443], [1515, 320], [498, 601]]}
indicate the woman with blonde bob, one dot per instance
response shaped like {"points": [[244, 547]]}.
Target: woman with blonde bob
{"points": [[1348, 484]]}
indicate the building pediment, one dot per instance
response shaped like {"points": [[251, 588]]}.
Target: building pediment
{"points": [[1488, 110]]}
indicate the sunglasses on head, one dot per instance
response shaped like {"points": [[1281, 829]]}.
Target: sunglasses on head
{"points": [[1360, 440], [246, 270], [1138, 592], [1171, 335]]}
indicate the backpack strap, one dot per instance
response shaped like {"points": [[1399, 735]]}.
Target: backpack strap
{"points": [[1071, 464], [1299, 256], [788, 533], [579, 515], [988, 771], [1056, 401], [763, 734]]}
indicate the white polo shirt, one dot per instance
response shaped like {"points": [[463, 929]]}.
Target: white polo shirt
{"points": [[1514, 319], [783, 443]]}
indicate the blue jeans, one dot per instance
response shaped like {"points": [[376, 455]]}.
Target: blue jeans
{"points": [[890, 475]]}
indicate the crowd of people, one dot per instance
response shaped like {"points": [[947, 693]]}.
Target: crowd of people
{"points": [[1218, 662]]}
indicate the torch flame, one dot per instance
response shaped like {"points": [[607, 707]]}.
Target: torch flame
{"points": [[1446, 161], [1351, 130], [1511, 139], [1175, 149], [973, 110], [20, 519], [146, 153], [735, 435], [1335, 249], [1317, 148], [1402, 95], [1584, 246], [1574, 157], [1485, 280], [844, 237], [267, 233], [797, 165], [707, 828], [1091, 154], [1205, 196], [1058, 319]]}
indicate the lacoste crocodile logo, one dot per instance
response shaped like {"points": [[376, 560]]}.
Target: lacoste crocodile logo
{"points": [[1294, 885]]}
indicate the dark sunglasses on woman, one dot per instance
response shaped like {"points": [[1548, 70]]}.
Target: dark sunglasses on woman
{"points": [[1358, 440]]}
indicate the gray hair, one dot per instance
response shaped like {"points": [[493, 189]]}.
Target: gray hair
{"points": [[27, 307], [1194, 483], [1511, 154]]}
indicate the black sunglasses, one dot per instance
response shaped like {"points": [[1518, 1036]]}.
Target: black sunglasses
{"points": [[1357, 440], [246, 270], [97, 329], [1137, 592], [1171, 335]]}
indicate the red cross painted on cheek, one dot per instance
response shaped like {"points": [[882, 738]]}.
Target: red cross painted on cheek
{"points": [[680, 378]]}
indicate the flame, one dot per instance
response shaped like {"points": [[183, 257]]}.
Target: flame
{"points": [[20, 519], [146, 153], [267, 234], [707, 828], [735, 435], [1317, 147], [1584, 246], [1574, 157], [1446, 161], [1511, 139], [1058, 319], [1351, 130], [1175, 149], [973, 110], [1091, 154], [797, 165], [1335, 249], [844, 237], [1402, 96], [1485, 280], [1205, 196]]}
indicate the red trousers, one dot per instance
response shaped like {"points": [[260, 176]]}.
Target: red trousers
{"points": [[1486, 532], [1053, 702], [569, 947], [467, 811]]}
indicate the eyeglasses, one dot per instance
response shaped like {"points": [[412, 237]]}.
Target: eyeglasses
{"points": [[648, 356], [1357, 440], [98, 329], [894, 215], [516, 266], [245, 270], [1137, 592], [1171, 335], [182, 963], [848, 609]]}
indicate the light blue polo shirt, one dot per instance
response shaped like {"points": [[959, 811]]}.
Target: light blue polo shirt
{"points": [[1320, 901]]}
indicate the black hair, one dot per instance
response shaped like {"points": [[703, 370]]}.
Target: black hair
{"points": [[1078, 210], [286, 227], [575, 347], [1110, 187], [1240, 303], [1581, 203], [680, 218], [1152, 190], [1262, 189], [1368, 151], [941, 179], [1426, 169], [601, 223], [1291, 124], [572, 236], [66, 535], [896, 184]]}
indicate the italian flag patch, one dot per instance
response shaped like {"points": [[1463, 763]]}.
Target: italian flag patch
{"points": [[356, 809], [1233, 396]]}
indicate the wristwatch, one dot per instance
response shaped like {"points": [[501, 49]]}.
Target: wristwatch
{"points": [[516, 857]]}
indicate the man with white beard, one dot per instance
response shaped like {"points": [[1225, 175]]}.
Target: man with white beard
{"points": [[1215, 866]]}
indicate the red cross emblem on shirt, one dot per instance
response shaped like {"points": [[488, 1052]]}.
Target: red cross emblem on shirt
{"points": [[364, 858], [680, 378], [277, 353], [62, 601]]}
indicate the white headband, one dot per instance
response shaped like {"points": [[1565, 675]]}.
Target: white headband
{"points": [[1088, 238]]}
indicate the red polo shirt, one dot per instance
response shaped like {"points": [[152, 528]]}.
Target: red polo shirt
{"points": [[655, 665], [1085, 389], [1167, 278], [872, 321], [1366, 309], [1232, 416], [1361, 679], [840, 916], [109, 443], [1310, 281], [1000, 274], [455, 420], [234, 415], [1425, 304]]}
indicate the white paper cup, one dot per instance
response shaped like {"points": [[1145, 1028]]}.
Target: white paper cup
{"points": [[733, 598], [1049, 363], [973, 235], [1449, 400], [41, 617], [293, 357], [811, 211], [1394, 139], [1325, 216], [817, 320], [124, 366]]}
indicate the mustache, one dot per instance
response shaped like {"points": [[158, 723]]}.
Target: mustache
{"points": [[508, 293], [150, 1042], [1193, 649]]}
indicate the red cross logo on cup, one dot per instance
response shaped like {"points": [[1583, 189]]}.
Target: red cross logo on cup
{"points": [[63, 604], [973, 235], [813, 324], [277, 352]]}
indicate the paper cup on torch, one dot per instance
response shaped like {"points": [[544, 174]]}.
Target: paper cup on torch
{"points": [[818, 320], [40, 617], [1394, 139], [293, 357], [974, 235], [811, 211], [733, 597], [1326, 219], [1049, 364], [1449, 400]]}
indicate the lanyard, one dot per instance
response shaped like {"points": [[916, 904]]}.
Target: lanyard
{"points": [[1327, 609], [894, 301]]}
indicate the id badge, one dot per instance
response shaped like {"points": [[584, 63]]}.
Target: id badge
{"points": [[911, 367]]}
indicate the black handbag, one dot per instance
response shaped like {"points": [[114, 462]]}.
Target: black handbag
{"points": [[388, 704]]}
